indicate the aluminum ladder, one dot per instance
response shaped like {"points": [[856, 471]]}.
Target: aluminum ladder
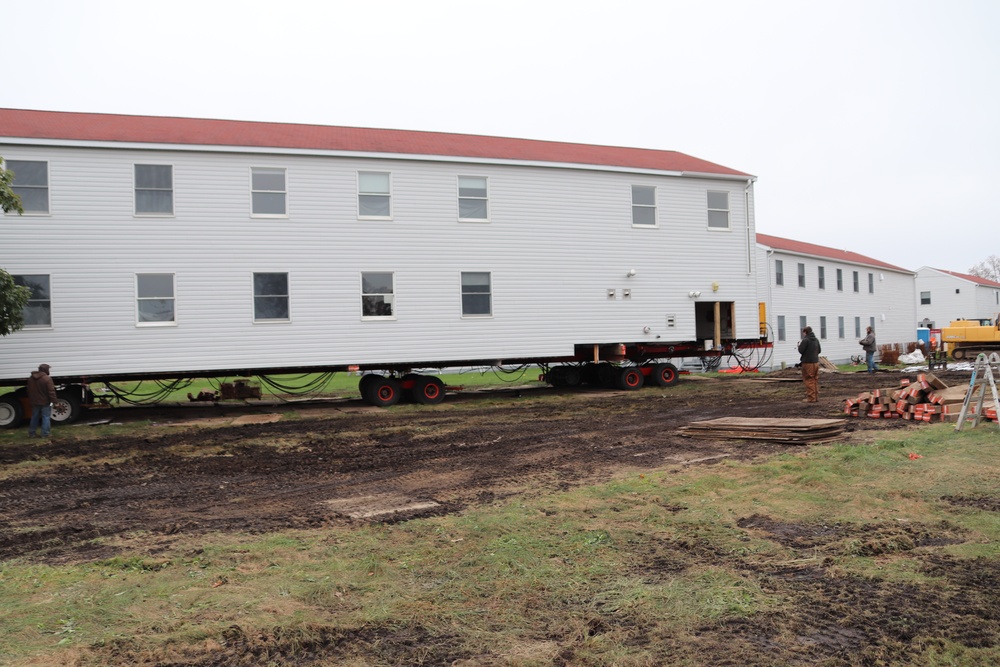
{"points": [[987, 366]]}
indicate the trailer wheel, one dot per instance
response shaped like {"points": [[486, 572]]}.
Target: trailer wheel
{"points": [[427, 390], [11, 411], [382, 392], [66, 409], [958, 354], [665, 375], [629, 378], [364, 383], [607, 374]]}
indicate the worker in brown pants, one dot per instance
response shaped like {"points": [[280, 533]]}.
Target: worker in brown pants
{"points": [[809, 348]]}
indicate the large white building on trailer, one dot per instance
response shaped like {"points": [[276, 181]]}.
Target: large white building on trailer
{"points": [[944, 296], [837, 292], [173, 245]]}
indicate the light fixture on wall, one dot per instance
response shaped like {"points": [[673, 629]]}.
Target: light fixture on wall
{"points": [[631, 273], [694, 295], [715, 287]]}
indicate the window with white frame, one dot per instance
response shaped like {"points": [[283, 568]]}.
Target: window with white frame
{"points": [[154, 294], [925, 298], [643, 206], [802, 274], [473, 198], [477, 298], [270, 297], [37, 313], [871, 283], [154, 189], [840, 280], [31, 184], [857, 283], [268, 192], [803, 322], [822, 327], [857, 327], [374, 196], [840, 326], [718, 210], [377, 294], [781, 328], [821, 277], [779, 272], [871, 323]]}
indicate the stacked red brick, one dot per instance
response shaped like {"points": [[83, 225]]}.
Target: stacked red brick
{"points": [[927, 399]]}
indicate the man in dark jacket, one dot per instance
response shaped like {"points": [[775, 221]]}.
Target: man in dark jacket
{"points": [[809, 348], [868, 345], [41, 394]]}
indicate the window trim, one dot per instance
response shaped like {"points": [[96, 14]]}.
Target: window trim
{"points": [[47, 187], [871, 283], [135, 192], [840, 280], [287, 295], [779, 272], [36, 327], [821, 277], [727, 211], [857, 282], [392, 301], [782, 333], [461, 286], [840, 327], [928, 301], [653, 206], [173, 299], [273, 216], [801, 273], [458, 184], [822, 327], [372, 194]]}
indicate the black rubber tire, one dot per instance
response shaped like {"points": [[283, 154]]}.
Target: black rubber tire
{"points": [[573, 376], [383, 391], [365, 382], [11, 411], [427, 390], [665, 375], [66, 409], [958, 354], [630, 378]]}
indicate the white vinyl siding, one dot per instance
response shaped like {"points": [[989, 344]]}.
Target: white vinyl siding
{"points": [[268, 192], [31, 184]]}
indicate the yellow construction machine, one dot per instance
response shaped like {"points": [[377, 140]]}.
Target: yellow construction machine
{"points": [[964, 339]]}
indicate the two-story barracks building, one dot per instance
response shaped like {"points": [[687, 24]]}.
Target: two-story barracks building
{"points": [[175, 246]]}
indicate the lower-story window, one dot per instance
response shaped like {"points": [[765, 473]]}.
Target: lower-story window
{"points": [[38, 313], [270, 297], [822, 327], [840, 327], [154, 298], [376, 294], [781, 328], [476, 294]]}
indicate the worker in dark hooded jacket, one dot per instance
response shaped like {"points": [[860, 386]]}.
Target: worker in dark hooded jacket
{"points": [[809, 348], [41, 394]]}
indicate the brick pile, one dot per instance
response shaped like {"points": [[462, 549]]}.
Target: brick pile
{"points": [[928, 399]]}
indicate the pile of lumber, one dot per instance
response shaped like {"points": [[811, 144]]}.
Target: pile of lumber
{"points": [[927, 399], [793, 431]]}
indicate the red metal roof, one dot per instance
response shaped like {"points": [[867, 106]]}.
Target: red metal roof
{"points": [[801, 248], [985, 282], [58, 125]]}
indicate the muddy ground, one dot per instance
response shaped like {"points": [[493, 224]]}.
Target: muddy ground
{"points": [[342, 463]]}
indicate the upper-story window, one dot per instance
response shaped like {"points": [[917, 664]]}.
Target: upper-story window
{"points": [[871, 283], [376, 294], [821, 277], [473, 198], [779, 272], [38, 311], [477, 298], [154, 189], [718, 210], [154, 294], [270, 297], [840, 280], [31, 184], [374, 196], [857, 283], [925, 298], [802, 274], [268, 192], [643, 206]]}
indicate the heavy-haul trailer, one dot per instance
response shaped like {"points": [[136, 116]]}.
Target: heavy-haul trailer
{"points": [[622, 366], [176, 248]]}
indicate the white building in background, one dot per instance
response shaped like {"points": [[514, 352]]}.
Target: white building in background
{"points": [[837, 292], [943, 296]]}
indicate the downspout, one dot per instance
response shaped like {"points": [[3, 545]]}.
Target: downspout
{"points": [[751, 240]]}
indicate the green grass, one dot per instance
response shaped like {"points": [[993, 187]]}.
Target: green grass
{"points": [[657, 555]]}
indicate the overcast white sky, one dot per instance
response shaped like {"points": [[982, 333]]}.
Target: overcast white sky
{"points": [[872, 126]]}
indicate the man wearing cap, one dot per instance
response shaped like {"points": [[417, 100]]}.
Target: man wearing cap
{"points": [[41, 394]]}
